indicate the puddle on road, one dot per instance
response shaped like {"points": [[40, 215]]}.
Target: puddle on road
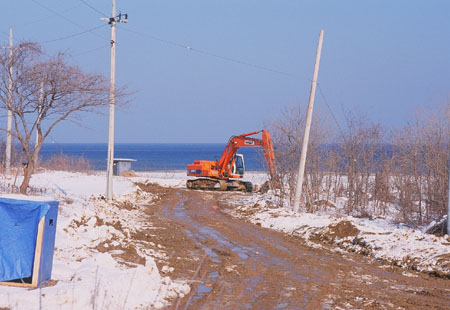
{"points": [[206, 232], [204, 287], [201, 233], [211, 254], [207, 286]]}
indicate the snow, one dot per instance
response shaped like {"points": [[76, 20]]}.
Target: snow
{"points": [[380, 239], [175, 178], [83, 276]]}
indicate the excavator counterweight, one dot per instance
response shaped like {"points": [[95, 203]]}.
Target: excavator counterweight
{"points": [[224, 174]]}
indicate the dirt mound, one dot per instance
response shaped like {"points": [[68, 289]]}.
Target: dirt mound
{"points": [[130, 174], [438, 229], [154, 188], [343, 229]]}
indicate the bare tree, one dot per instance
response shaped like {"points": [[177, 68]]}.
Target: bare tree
{"points": [[46, 90]]}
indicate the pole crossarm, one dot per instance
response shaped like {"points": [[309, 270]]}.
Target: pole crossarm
{"points": [[116, 19]]}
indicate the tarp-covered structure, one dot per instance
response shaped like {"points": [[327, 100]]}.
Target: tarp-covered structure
{"points": [[19, 221]]}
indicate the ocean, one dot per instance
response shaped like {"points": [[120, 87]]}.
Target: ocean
{"points": [[151, 156]]}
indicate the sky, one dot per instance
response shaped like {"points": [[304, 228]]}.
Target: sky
{"points": [[203, 70]]}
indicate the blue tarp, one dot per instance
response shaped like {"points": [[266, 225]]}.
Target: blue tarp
{"points": [[19, 220]]}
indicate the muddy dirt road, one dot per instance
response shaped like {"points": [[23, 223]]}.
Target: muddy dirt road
{"points": [[236, 265]]}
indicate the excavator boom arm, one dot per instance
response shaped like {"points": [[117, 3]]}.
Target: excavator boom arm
{"points": [[226, 161], [268, 152]]}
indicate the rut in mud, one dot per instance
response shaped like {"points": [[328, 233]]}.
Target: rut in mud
{"points": [[232, 264]]}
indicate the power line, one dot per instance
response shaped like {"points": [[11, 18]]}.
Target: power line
{"points": [[65, 18], [168, 42], [92, 8], [241, 62], [72, 35], [90, 50], [331, 111], [46, 17], [211, 54], [57, 13]]}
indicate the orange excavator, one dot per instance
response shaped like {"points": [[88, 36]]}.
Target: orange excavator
{"points": [[225, 173]]}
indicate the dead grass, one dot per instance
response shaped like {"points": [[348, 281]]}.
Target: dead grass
{"points": [[61, 162]]}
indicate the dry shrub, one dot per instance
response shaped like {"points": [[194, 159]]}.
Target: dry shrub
{"points": [[420, 173], [62, 162], [361, 148], [287, 134], [376, 170]]}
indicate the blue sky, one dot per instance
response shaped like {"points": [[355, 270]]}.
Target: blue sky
{"points": [[382, 58]]}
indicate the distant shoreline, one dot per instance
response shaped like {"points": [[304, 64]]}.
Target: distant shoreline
{"points": [[178, 171], [147, 156], [134, 143]]}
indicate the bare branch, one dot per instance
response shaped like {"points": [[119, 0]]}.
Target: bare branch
{"points": [[47, 90]]}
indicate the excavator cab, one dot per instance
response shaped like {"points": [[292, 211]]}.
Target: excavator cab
{"points": [[239, 165]]}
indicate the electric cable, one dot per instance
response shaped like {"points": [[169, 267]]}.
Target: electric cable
{"points": [[46, 17], [72, 35], [211, 54], [65, 18], [89, 51], [241, 62], [169, 42], [93, 8], [331, 111]]}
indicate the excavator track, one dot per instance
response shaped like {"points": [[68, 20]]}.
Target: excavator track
{"points": [[219, 185]]}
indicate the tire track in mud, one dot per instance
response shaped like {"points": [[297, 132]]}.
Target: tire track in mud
{"points": [[232, 264]]}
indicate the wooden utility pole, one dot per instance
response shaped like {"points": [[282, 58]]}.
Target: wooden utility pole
{"points": [[9, 123], [301, 167], [112, 99]]}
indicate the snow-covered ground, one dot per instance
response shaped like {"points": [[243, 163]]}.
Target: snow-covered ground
{"points": [[85, 275], [380, 239]]}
